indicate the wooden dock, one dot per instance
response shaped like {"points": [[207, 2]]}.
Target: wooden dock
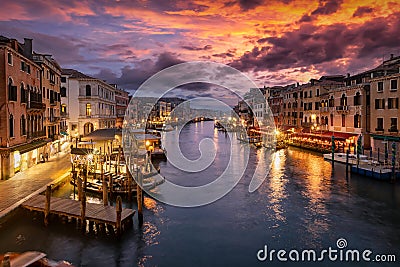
{"points": [[95, 213]]}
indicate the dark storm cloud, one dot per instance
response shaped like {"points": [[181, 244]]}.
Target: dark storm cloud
{"points": [[132, 77], [327, 7], [224, 55], [194, 48], [65, 50], [310, 45], [362, 10], [324, 8]]}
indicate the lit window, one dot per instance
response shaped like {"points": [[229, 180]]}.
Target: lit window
{"points": [[88, 109]]}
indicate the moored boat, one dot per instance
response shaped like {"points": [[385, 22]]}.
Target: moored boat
{"points": [[341, 158], [30, 258]]}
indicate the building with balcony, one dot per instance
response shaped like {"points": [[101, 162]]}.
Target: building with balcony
{"points": [[385, 110], [50, 81], [87, 103], [22, 110], [121, 103]]}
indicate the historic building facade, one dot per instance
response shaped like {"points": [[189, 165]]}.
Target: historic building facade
{"points": [[22, 110], [88, 104]]}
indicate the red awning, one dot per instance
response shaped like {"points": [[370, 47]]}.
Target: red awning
{"points": [[327, 135]]}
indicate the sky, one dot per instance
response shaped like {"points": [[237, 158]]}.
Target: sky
{"points": [[274, 42]]}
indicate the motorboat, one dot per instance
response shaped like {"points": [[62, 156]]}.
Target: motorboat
{"points": [[341, 158], [30, 258]]}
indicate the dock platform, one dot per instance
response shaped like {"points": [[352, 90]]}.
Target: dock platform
{"points": [[378, 172], [95, 213]]}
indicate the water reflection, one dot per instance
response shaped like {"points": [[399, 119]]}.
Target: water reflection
{"points": [[277, 185]]}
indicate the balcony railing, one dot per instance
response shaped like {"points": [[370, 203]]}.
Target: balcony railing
{"points": [[393, 130], [36, 134], [342, 108], [36, 105], [324, 109]]}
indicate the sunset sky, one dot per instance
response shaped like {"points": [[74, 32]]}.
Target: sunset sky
{"points": [[274, 42]]}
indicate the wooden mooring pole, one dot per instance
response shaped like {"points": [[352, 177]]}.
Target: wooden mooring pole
{"points": [[47, 205], [129, 185], [118, 209], [104, 184], [347, 163], [82, 199], [139, 198]]}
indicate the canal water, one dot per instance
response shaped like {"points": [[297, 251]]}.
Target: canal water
{"points": [[303, 204]]}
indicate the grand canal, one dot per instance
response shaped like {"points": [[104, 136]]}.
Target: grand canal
{"points": [[303, 204]]}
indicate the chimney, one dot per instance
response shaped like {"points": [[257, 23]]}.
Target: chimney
{"points": [[348, 75], [391, 56], [27, 46], [14, 44]]}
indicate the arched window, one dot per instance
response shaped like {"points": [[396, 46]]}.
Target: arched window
{"points": [[11, 122], [343, 100], [23, 125], [12, 90], [88, 90], [343, 120], [357, 99], [357, 121], [331, 102]]}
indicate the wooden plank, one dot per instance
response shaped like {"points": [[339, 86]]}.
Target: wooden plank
{"points": [[71, 208]]}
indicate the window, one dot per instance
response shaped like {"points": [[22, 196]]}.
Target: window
{"points": [[393, 85], [310, 106], [393, 125], [393, 103], [12, 91], [310, 93], [331, 102], [305, 94], [88, 109], [357, 121], [24, 94], [331, 119], [316, 105], [326, 120], [28, 68], [63, 109], [343, 120], [379, 103], [63, 91], [380, 87], [9, 58], [301, 94], [343, 100], [379, 124], [63, 79], [88, 90], [317, 92], [11, 122], [23, 65], [317, 120], [23, 125], [357, 99]]}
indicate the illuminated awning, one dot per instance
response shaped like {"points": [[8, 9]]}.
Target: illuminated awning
{"points": [[28, 147]]}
